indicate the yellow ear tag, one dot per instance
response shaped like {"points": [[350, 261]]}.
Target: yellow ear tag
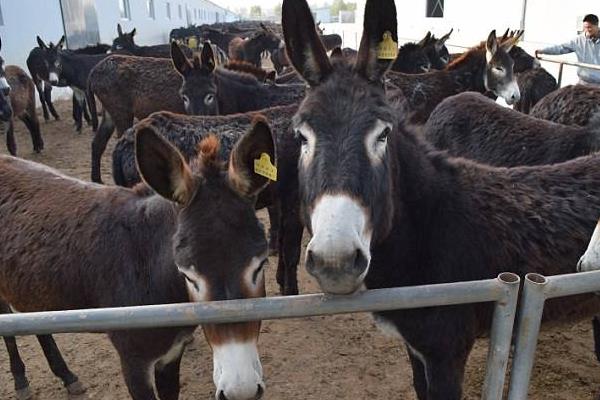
{"points": [[264, 167], [387, 49]]}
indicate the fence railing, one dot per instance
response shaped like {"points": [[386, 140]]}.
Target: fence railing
{"points": [[503, 291], [562, 63], [536, 289]]}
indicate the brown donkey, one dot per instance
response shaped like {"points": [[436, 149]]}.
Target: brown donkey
{"points": [[17, 100], [136, 247], [135, 87]]}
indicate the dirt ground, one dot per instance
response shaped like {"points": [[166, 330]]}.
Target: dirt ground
{"points": [[325, 358]]}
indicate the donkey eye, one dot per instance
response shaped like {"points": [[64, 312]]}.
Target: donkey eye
{"points": [[384, 135], [300, 136], [499, 69], [259, 269], [186, 100], [209, 99]]}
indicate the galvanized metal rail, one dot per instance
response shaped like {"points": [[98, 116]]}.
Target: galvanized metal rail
{"points": [[562, 63], [503, 291], [536, 289]]}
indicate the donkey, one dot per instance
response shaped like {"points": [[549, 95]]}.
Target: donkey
{"points": [[172, 247], [38, 61], [216, 36], [570, 105], [17, 100], [73, 69], [124, 43], [385, 210], [472, 126], [486, 67], [127, 88], [250, 49], [281, 197], [534, 85]]}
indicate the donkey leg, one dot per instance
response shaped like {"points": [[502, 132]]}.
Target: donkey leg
{"points": [[59, 366], [11, 144], [167, 379], [48, 98], [445, 376], [101, 138], [139, 375], [17, 369], [274, 216], [290, 242], [77, 114], [419, 374], [86, 113], [40, 89], [596, 330], [33, 127]]}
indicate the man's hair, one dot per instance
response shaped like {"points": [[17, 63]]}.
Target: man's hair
{"points": [[591, 18]]}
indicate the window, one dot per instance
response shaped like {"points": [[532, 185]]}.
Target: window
{"points": [[435, 9], [125, 9], [2, 17], [195, 14], [180, 13], [150, 8], [168, 10]]}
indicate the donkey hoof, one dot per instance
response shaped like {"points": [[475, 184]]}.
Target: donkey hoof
{"points": [[76, 388], [24, 394]]}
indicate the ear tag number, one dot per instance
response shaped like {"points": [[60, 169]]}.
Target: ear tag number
{"points": [[264, 167], [387, 49]]}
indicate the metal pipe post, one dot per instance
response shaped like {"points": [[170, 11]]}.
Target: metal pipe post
{"points": [[500, 337], [560, 73], [528, 327]]}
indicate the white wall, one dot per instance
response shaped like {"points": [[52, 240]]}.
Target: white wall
{"points": [[23, 20]]}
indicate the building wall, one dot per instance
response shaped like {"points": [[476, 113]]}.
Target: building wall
{"points": [[18, 38]]}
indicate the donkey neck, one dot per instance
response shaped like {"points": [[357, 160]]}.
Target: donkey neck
{"points": [[468, 70]]}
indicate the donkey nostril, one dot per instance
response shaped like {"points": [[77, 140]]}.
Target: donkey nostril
{"points": [[222, 395], [360, 262], [310, 261]]}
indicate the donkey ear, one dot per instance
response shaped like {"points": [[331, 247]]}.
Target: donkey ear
{"points": [[491, 45], [505, 36], [512, 40], [446, 36], [336, 54], [133, 32], [207, 57], [258, 141], [41, 43], [180, 61], [304, 48], [379, 42], [162, 167], [425, 40], [61, 42], [119, 30]]}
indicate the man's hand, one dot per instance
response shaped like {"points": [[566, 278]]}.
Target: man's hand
{"points": [[537, 54]]}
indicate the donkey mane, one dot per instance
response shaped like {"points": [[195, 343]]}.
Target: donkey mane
{"points": [[466, 56]]}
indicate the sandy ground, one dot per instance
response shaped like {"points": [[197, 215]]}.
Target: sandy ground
{"points": [[325, 358]]}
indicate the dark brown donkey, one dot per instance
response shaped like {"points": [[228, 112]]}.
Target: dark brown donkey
{"points": [[251, 49], [281, 197], [487, 67], [570, 105], [17, 100], [135, 87], [472, 126], [124, 43], [385, 210], [134, 247]]}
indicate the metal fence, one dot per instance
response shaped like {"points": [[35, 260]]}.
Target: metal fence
{"points": [[536, 289], [503, 291], [562, 63]]}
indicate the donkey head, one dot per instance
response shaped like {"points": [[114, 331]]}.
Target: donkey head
{"points": [[437, 52], [412, 59], [523, 60], [498, 76], [266, 39], [343, 125], [5, 105], [199, 87], [215, 203], [51, 58], [124, 41]]}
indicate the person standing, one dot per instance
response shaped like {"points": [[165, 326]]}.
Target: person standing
{"points": [[586, 47]]}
